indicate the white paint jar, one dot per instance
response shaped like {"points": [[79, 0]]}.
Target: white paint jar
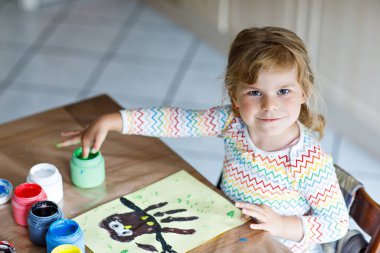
{"points": [[47, 176]]}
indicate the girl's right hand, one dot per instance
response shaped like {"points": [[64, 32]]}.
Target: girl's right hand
{"points": [[93, 136]]}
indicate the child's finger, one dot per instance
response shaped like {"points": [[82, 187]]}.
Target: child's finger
{"points": [[68, 133], [255, 214], [245, 217], [244, 205], [95, 148], [248, 206], [85, 151], [259, 226], [69, 142], [255, 211]]}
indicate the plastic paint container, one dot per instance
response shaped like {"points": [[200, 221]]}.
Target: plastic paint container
{"points": [[25, 195], [88, 172], [66, 248], [41, 215], [6, 190], [64, 231], [7, 247], [48, 176]]}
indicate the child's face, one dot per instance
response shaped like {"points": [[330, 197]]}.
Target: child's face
{"points": [[272, 104]]}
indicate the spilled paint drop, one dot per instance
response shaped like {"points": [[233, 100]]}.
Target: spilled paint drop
{"points": [[231, 214], [243, 239]]}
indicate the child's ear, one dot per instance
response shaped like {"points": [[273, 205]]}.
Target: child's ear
{"points": [[234, 100], [304, 98]]}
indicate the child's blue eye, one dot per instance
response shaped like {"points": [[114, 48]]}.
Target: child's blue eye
{"points": [[254, 93], [283, 91]]}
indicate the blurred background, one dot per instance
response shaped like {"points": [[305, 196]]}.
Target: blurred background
{"points": [[173, 53]]}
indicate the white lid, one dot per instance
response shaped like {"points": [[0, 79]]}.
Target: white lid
{"points": [[43, 174]]}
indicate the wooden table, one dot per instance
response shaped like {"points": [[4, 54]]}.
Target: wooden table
{"points": [[132, 162]]}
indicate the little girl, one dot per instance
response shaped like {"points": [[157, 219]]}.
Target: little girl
{"points": [[274, 168]]}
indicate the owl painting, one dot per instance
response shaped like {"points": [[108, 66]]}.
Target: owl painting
{"points": [[126, 227]]}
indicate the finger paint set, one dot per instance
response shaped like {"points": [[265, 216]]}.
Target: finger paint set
{"points": [[36, 203]]}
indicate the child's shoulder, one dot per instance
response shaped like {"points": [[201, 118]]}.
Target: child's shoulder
{"points": [[311, 145], [310, 158], [227, 113]]}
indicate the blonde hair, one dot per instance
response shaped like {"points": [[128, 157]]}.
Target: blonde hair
{"points": [[278, 48]]}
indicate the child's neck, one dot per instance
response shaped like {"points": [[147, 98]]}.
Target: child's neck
{"points": [[270, 143]]}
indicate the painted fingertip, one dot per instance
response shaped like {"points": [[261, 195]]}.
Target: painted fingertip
{"points": [[58, 145], [85, 154]]}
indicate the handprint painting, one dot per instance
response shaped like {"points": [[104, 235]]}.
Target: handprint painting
{"points": [[171, 215], [127, 226]]}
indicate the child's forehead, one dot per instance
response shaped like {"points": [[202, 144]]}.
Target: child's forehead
{"points": [[290, 68], [274, 77]]}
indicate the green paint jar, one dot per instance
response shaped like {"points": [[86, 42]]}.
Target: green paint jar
{"points": [[87, 172]]}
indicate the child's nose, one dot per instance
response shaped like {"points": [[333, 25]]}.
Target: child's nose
{"points": [[269, 103]]}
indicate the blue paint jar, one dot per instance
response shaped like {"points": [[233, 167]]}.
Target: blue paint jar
{"points": [[64, 231], [41, 215]]}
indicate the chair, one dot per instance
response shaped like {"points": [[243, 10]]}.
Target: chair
{"points": [[363, 209]]}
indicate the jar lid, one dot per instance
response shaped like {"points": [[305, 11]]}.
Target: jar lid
{"points": [[28, 194], [43, 174], [66, 248], [6, 190], [7, 247]]}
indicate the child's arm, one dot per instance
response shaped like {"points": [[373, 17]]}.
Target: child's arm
{"points": [[175, 122], [93, 137], [155, 121], [328, 218], [287, 227]]}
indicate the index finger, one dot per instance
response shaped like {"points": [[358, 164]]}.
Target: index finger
{"points": [[246, 205]]}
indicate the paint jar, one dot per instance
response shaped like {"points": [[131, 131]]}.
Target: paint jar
{"points": [[6, 190], [87, 172], [66, 248], [64, 231], [25, 195], [7, 247], [41, 215], [48, 176]]}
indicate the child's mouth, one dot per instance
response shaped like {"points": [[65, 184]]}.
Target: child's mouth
{"points": [[270, 119]]}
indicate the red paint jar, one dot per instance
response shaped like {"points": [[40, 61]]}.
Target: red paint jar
{"points": [[24, 196]]}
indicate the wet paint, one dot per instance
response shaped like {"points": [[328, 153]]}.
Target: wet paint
{"points": [[66, 248], [243, 239], [41, 215], [87, 172], [64, 231], [47, 176], [25, 195], [6, 190], [231, 214]]}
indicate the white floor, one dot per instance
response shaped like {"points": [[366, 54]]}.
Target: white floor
{"points": [[63, 53]]}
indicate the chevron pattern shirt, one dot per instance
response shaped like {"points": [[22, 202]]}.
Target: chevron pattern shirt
{"points": [[299, 180]]}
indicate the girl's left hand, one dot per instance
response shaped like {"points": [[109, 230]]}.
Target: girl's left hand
{"points": [[267, 219]]}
